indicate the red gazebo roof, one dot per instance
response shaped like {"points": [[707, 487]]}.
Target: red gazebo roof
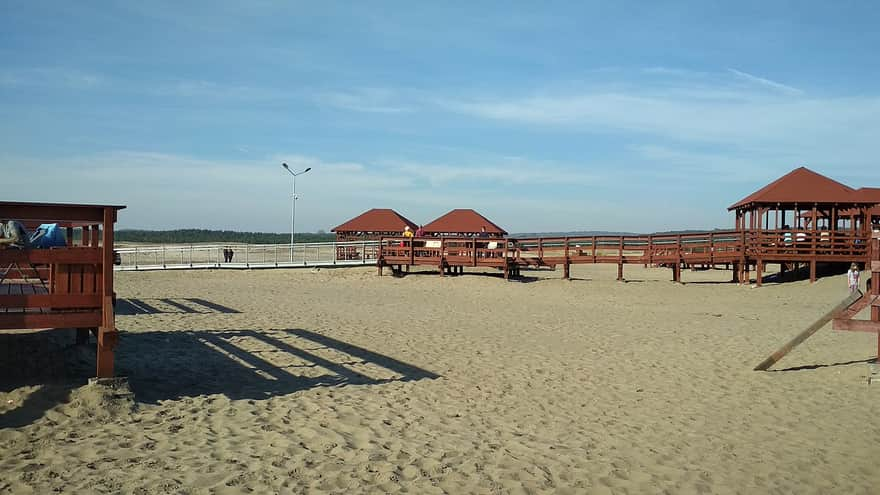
{"points": [[376, 220], [867, 195], [463, 221], [801, 185]]}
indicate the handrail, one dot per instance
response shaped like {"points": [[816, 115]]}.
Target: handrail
{"points": [[182, 256]]}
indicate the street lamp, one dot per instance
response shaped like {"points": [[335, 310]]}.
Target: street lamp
{"points": [[293, 205]]}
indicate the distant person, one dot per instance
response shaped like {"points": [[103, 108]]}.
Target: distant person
{"points": [[482, 245], [420, 232], [407, 233], [231, 254], [13, 234], [852, 277]]}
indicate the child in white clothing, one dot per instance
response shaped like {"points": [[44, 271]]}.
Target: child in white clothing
{"points": [[852, 276]]}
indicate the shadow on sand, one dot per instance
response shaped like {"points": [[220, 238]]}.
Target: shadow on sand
{"points": [[154, 306], [817, 366], [169, 365]]}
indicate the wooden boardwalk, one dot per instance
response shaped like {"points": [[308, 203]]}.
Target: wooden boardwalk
{"points": [[740, 250]]}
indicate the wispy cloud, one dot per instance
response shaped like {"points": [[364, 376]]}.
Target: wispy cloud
{"points": [[689, 109], [765, 82], [371, 100], [51, 77], [177, 190], [507, 171]]}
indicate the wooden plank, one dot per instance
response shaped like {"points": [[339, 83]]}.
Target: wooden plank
{"points": [[856, 325], [74, 255], [54, 212], [31, 299], [50, 320], [62, 279], [90, 273], [808, 332], [76, 282]]}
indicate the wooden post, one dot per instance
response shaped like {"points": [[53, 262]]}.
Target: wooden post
{"points": [[566, 267], [620, 272], [594, 249], [474, 250], [759, 272], [874, 266], [107, 335], [813, 268]]}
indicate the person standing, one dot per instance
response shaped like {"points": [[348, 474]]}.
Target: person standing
{"points": [[852, 277], [420, 232]]}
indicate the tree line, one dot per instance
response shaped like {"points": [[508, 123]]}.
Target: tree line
{"points": [[193, 236]]}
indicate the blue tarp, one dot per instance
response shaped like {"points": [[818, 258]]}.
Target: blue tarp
{"points": [[48, 235]]}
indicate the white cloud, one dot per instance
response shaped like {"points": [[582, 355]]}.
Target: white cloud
{"points": [[51, 77], [371, 100], [688, 109], [765, 82]]}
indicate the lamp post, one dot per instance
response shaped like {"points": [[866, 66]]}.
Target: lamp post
{"points": [[293, 205]]}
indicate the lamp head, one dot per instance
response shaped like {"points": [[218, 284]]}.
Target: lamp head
{"points": [[306, 170], [285, 166]]}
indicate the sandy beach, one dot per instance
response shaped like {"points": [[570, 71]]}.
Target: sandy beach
{"points": [[339, 381]]}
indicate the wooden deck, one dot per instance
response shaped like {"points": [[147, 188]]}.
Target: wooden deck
{"points": [[741, 250], [63, 287]]}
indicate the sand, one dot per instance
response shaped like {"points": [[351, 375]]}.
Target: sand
{"points": [[338, 381]]}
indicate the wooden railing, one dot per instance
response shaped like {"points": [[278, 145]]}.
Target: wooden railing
{"points": [[717, 247], [796, 244], [459, 251], [63, 287]]}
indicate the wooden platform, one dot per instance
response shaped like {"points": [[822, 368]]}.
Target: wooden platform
{"points": [[743, 251], [63, 287]]}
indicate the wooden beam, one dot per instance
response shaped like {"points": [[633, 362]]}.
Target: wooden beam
{"points": [[74, 255], [808, 332], [50, 320], [55, 301], [856, 325]]}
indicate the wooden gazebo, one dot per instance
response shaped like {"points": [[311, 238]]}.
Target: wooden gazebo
{"points": [[802, 217], [370, 225], [464, 223]]}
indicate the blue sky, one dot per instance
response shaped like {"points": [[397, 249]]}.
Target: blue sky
{"points": [[636, 116]]}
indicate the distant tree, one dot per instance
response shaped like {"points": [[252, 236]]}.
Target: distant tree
{"points": [[190, 236]]}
